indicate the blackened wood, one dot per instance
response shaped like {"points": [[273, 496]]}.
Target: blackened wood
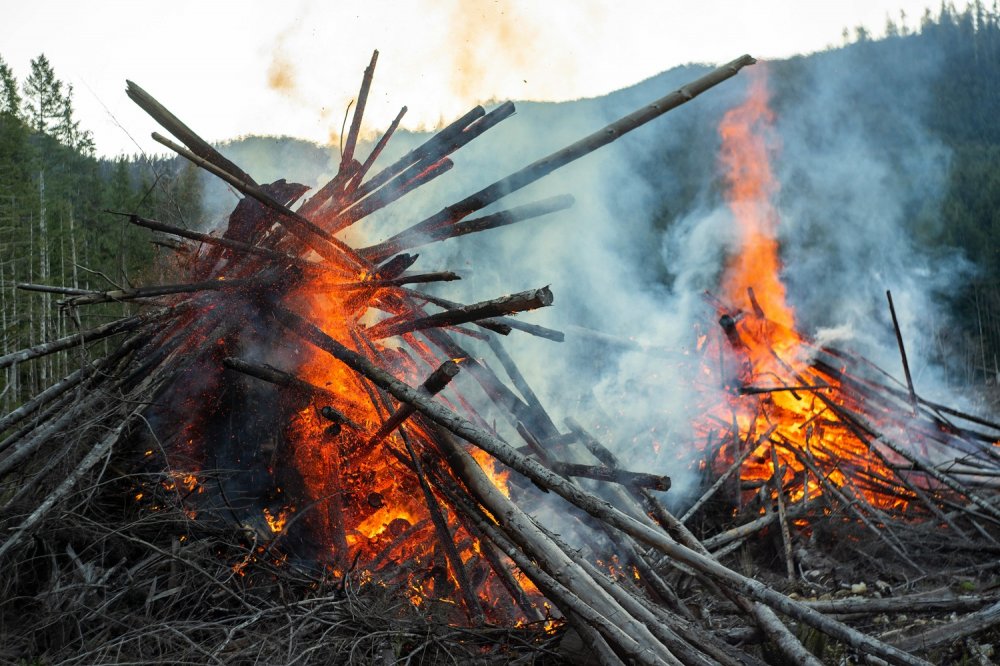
{"points": [[164, 290], [520, 302], [592, 504], [623, 477], [275, 376], [173, 124], [529, 211], [359, 110], [376, 151], [560, 158], [431, 386], [493, 322], [418, 278], [227, 243], [902, 350], [328, 247], [429, 150], [417, 175]]}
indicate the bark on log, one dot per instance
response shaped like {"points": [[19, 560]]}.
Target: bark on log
{"points": [[104, 331], [526, 300], [173, 124]]}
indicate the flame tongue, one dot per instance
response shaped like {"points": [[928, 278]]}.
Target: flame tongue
{"points": [[747, 142]]}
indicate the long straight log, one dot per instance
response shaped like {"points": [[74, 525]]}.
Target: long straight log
{"points": [[227, 243], [533, 329], [475, 225], [536, 170], [162, 290], [417, 278], [376, 151], [902, 350], [173, 124], [525, 300], [103, 331], [359, 110], [593, 505], [620, 476]]}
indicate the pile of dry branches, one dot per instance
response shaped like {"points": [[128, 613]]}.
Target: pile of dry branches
{"points": [[108, 565]]}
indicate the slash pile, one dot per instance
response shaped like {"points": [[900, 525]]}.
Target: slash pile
{"points": [[272, 462]]}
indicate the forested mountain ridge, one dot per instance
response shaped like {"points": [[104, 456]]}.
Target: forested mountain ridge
{"points": [[53, 190]]}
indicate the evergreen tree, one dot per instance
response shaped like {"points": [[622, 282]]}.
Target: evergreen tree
{"points": [[10, 99], [44, 96]]}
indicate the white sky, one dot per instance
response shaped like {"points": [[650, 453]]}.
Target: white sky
{"points": [[233, 67]]}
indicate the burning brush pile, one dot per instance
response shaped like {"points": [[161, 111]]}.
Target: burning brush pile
{"points": [[272, 462]]}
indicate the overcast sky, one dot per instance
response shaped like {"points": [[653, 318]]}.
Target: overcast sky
{"points": [[234, 67]]}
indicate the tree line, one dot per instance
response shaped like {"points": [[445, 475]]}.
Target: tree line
{"points": [[54, 229]]}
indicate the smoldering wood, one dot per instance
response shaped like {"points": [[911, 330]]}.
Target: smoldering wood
{"points": [[591, 504], [435, 383], [520, 302], [533, 329], [416, 278]]}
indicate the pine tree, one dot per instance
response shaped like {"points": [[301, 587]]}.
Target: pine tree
{"points": [[10, 99], [43, 95]]}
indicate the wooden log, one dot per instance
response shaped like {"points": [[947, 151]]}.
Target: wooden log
{"points": [[227, 243], [520, 302], [155, 291], [902, 350], [593, 505], [328, 247], [973, 623], [430, 150], [187, 136], [475, 225], [434, 384], [359, 110], [416, 176], [541, 421], [376, 151], [737, 463], [98, 333], [620, 476], [911, 603], [516, 324], [275, 376], [51, 289], [560, 158], [416, 278]]}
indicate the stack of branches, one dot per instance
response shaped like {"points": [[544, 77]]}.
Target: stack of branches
{"points": [[122, 573]]}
